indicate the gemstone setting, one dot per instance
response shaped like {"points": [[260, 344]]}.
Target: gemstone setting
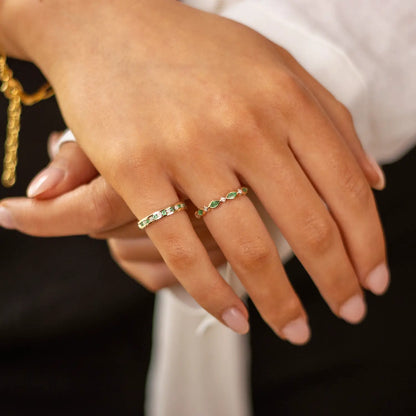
{"points": [[155, 216], [217, 202]]}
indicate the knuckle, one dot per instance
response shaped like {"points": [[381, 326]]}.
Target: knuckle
{"points": [[319, 233], [253, 254], [137, 159], [293, 90], [357, 189], [179, 254]]}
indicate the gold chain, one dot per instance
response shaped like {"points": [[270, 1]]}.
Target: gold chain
{"points": [[14, 92]]}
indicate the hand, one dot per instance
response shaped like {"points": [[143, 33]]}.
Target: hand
{"points": [[67, 198], [201, 106]]}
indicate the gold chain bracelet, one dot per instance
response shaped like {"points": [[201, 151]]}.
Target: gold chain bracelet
{"points": [[14, 92]]}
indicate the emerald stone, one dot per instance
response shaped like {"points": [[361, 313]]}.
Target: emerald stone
{"points": [[245, 190], [231, 195], [214, 204], [164, 212], [200, 212]]}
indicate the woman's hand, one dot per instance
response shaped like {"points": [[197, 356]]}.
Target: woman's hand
{"points": [[68, 197], [166, 100]]}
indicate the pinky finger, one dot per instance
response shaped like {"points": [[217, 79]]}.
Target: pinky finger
{"points": [[343, 122]]}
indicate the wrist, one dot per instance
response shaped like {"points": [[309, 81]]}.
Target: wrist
{"points": [[48, 32], [9, 18]]}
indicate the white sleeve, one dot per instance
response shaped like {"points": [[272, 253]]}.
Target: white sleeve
{"points": [[361, 52]]}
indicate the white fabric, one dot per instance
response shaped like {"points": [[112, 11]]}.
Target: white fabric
{"points": [[67, 137], [365, 54]]}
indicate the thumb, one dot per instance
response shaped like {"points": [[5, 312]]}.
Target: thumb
{"points": [[69, 168]]}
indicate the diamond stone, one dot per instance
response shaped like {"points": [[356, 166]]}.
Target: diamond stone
{"points": [[223, 199], [157, 215]]}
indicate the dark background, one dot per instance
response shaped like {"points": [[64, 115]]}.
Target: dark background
{"points": [[75, 331]]}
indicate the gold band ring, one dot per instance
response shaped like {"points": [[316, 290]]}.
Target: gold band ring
{"points": [[158, 215], [217, 202]]}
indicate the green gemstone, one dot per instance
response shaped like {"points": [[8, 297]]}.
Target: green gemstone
{"points": [[245, 190], [164, 212], [143, 224], [231, 195], [200, 212], [214, 204]]}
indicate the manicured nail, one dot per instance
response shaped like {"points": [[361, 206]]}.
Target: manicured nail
{"points": [[44, 181], [381, 184], [6, 219], [353, 310], [297, 332], [378, 280], [235, 320]]}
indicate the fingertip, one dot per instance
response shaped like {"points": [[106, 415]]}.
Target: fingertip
{"points": [[353, 310], [297, 332], [6, 219], [378, 280], [379, 182], [236, 320], [45, 181]]}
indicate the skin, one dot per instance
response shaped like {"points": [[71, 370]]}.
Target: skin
{"points": [[185, 117]]}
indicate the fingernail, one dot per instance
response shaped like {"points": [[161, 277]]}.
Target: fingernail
{"points": [[44, 181], [381, 184], [235, 320], [353, 310], [6, 219], [378, 280], [297, 332]]}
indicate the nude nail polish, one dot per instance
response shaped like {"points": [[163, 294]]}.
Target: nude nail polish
{"points": [[381, 184], [45, 180], [297, 332], [6, 219], [378, 279], [353, 310], [236, 321]]}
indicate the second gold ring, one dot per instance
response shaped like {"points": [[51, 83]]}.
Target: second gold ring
{"points": [[218, 202]]}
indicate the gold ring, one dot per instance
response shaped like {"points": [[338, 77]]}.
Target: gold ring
{"points": [[158, 215], [217, 202]]}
